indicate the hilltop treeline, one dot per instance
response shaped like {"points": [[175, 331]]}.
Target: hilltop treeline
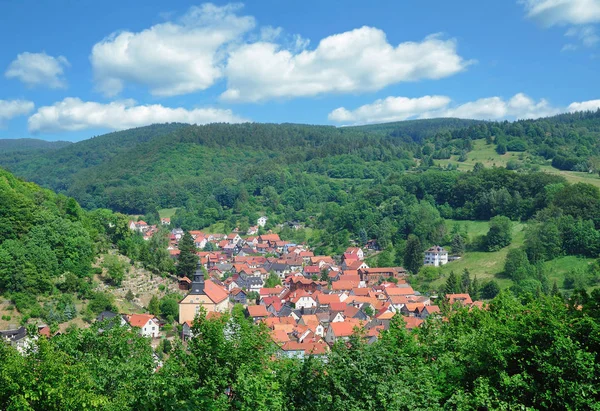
{"points": [[536, 354], [363, 179]]}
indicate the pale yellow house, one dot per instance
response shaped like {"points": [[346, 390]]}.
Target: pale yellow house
{"points": [[206, 294]]}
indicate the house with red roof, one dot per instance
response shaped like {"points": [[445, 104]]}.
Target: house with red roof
{"points": [[257, 312], [340, 330], [464, 299], [147, 323], [203, 294]]}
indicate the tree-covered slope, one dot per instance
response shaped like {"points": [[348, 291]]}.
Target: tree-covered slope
{"points": [[47, 239], [27, 144], [533, 355]]}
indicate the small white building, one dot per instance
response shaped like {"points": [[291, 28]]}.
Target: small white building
{"points": [[262, 221], [436, 256], [148, 324]]}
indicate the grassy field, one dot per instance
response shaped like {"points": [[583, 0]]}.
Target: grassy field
{"points": [[486, 154], [484, 265], [167, 212], [489, 266]]}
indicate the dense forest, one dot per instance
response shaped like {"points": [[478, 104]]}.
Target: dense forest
{"points": [[48, 244], [529, 354], [30, 144]]}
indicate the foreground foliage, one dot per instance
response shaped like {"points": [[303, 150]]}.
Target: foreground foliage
{"points": [[536, 354]]}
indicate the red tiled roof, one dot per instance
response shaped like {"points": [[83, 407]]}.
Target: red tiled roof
{"points": [[269, 237], [325, 299], [462, 298], [139, 320], [342, 329], [412, 322], [214, 292], [257, 311], [390, 291], [344, 285], [337, 306]]}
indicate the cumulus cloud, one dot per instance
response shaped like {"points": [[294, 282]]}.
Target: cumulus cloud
{"points": [[568, 13], [563, 12], [353, 61], [390, 109], [171, 58], [519, 106], [38, 69], [210, 42], [73, 114], [590, 105], [13, 108]]}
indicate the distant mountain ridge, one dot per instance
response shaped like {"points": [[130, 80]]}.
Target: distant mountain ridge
{"points": [[166, 165], [28, 144]]}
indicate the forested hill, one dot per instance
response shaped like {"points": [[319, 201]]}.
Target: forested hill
{"points": [[28, 144], [170, 165], [47, 242], [418, 130]]}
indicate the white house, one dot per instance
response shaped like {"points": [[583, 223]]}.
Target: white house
{"points": [[147, 323], [261, 221], [301, 299], [234, 238], [436, 256]]}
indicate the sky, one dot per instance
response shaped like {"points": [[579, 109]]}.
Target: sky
{"points": [[73, 69]]}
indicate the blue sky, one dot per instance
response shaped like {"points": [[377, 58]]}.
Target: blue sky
{"points": [[74, 69]]}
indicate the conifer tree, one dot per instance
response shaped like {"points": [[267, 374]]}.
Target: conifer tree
{"points": [[413, 254], [187, 256], [474, 289], [452, 285], [458, 244], [154, 306], [465, 281]]}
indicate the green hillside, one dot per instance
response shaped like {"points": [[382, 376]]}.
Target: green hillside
{"points": [[48, 244], [9, 145], [486, 154]]}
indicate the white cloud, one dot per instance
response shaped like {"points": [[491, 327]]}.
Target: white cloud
{"points": [[563, 12], [353, 61], [171, 58], [13, 108], [519, 106], [389, 109], [72, 114], [587, 35], [568, 13], [590, 105], [35, 69]]}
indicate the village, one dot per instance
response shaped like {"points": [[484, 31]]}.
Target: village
{"points": [[316, 300]]}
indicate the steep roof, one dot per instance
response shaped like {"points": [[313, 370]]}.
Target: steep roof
{"points": [[139, 320], [257, 311], [462, 298], [342, 329], [214, 292]]}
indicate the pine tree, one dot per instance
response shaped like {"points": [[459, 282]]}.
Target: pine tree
{"points": [[452, 285], [413, 254], [555, 291], [362, 237], [458, 244], [154, 306], [187, 256], [474, 289], [129, 296], [465, 281]]}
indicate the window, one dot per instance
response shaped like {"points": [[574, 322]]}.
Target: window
{"points": [[153, 328]]}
